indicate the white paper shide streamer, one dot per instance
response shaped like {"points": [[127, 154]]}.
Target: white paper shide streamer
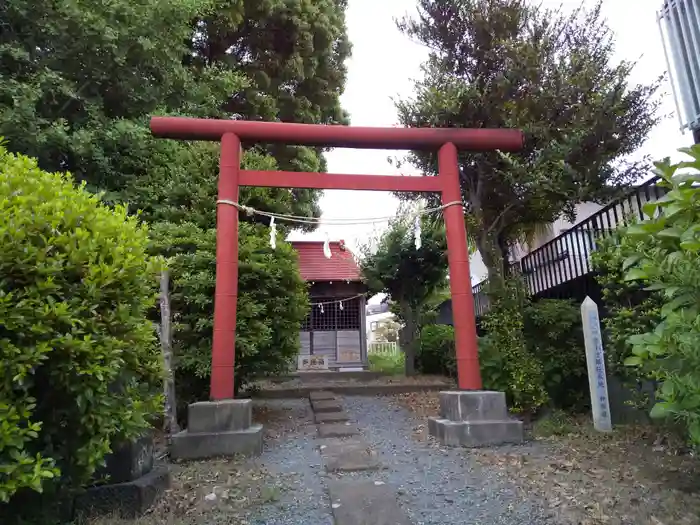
{"points": [[327, 247], [417, 232], [273, 233]]}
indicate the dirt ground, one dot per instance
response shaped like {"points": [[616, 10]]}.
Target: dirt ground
{"points": [[634, 476], [221, 491]]}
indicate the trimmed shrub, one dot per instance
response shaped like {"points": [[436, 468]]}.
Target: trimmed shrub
{"points": [[553, 340], [494, 372], [272, 304], [437, 356], [76, 287], [554, 336], [436, 352]]}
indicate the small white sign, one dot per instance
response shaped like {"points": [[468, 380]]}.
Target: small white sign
{"points": [[312, 362], [595, 359]]}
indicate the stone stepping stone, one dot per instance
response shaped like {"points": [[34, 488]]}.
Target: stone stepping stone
{"points": [[349, 456], [336, 430], [365, 502], [321, 395], [335, 441], [330, 417], [323, 406]]}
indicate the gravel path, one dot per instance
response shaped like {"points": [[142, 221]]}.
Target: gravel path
{"points": [[291, 455], [437, 486]]}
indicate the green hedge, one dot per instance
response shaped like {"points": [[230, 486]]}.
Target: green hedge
{"points": [[272, 304], [436, 352], [80, 363], [552, 331]]}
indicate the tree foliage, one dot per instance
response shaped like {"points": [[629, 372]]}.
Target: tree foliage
{"points": [[272, 304], [669, 353], [505, 325], [409, 276], [79, 360], [78, 82], [630, 310], [509, 64]]}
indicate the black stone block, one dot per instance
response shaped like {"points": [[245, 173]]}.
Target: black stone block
{"points": [[128, 461], [127, 500]]}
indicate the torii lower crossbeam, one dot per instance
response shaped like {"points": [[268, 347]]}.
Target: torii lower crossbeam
{"points": [[446, 141]]}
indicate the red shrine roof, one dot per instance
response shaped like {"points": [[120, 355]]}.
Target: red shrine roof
{"points": [[314, 266]]}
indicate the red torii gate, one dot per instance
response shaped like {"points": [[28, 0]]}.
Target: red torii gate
{"points": [[446, 140]]}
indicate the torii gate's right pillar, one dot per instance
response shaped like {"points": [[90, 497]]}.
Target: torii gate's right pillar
{"points": [[470, 416]]}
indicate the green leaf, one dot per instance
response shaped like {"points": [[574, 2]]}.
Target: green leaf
{"points": [[670, 291], [691, 246], [650, 208], [673, 209], [678, 302], [670, 233], [636, 274], [630, 261], [661, 410], [633, 361], [667, 390], [637, 230]]}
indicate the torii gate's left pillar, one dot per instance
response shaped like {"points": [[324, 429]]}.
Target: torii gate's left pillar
{"points": [[223, 426]]}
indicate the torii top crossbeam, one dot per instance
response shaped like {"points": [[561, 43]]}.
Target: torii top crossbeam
{"points": [[446, 141], [337, 136]]}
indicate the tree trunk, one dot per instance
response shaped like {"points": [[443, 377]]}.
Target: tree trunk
{"points": [[170, 425], [502, 244], [492, 256], [408, 339]]}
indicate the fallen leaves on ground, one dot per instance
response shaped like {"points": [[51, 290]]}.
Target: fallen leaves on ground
{"points": [[223, 491], [634, 476]]}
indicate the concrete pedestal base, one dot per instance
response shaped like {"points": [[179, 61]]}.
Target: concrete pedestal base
{"points": [[218, 428], [126, 500], [474, 419]]}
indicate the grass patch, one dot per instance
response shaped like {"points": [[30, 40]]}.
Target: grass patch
{"points": [[387, 363], [556, 423]]}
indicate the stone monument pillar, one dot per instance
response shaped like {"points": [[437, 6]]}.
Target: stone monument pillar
{"points": [[474, 418]]}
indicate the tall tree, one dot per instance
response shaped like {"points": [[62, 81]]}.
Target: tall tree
{"points": [[506, 63], [409, 276], [78, 81], [293, 52]]}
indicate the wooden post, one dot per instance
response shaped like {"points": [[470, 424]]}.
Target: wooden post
{"points": [[170, 425]]}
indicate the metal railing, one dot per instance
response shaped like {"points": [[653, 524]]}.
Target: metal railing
{"points": [[568, 256]]}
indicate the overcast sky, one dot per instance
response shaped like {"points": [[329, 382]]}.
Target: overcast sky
{"points": [[383, 64]]}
